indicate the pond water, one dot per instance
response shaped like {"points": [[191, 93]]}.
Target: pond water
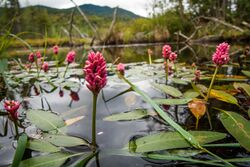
{"points": [[76, 102]]}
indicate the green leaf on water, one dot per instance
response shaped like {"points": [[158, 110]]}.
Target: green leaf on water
{"points": [[168, 90], [45, 120], [42, 146], [172, 101], [172, 140], [64, 141], [237, 126], [247, 73], [223, 96], [126, 116], [191, 93], [179, 81], [244, 86], [50, 160], [183, 152], [21, 145]]}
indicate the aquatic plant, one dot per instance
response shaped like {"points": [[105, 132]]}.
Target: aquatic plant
{"points": [[166, 51], [121, 68], [70, 58], [150, 52], [45, 66], [96, 76]]}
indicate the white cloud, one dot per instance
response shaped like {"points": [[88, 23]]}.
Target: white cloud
{"points": [[136, 6]]}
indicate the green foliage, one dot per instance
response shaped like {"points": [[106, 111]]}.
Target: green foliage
{"points": [[42, 146], [21, 145]]}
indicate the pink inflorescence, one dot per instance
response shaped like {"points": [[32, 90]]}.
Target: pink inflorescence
{"points": [[11, 107], [221, 56], [71, 57], [95, 72], [121, 68], [45, 66], [166, 51], [172, 56], [55, 49], [38, 54], [31, 57]]}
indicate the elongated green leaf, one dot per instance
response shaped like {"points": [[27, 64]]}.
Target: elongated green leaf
{"points": [[172, 140], [168, 90], [179, 81], [183, 152], [191, 94], [21, 145], [172, 101], [178, 158], [50, 160], [244, 86], [237, 126], [132, 115], [42, 146], [44, 120], [247, 73], [223, 96], [64, 141], [83, 160]]}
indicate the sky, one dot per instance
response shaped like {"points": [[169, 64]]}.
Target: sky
{"points": [[136, 6]]}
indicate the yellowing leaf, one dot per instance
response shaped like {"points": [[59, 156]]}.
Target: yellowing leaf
{"points": [[73, 120], [197, 108], [223, 96]]}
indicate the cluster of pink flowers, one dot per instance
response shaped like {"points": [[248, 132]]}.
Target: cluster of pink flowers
{"points": [[70, 58], [55, 49], [38, 54], [95, 72], [45, 66], [31, 57], [11, 107], [221, 56], [168, 54], [121, 68]]}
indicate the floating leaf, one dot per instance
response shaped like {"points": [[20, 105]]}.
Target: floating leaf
{"points": [[168, 90], [21, 145], [172, 101], [179, 81], [55, 160], [183, 152], [73, 120], [172, 140], [132, 115], [42, 146], [197, 108], [247, 73], [244, 86], [237, 126], [191, 94], [223, 96], [64, 141], [44, 120]]}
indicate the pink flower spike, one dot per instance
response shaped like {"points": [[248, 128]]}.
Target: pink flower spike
{"points": [[45, 66], [172, 56], [71, 57], [55, 49], [121, 68], [38, 54], [221, 55], [166, 50], [31, 57], [11, 107], [95, 72]]}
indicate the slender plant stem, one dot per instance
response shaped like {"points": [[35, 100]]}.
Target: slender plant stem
{"points": [[37, 69], [57, 64], [166, 68], [66, 70], [149, 59], [94, 120], [197, 124], [16, 129]]}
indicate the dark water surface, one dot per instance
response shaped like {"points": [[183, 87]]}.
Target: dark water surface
{"points": [[115, 135]]}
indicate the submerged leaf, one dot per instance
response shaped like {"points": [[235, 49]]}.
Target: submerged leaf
{"points": [[45, 120], [172, 101], [132, 115], [168, 90], [197, 107], [172, 140], [223, 96], [237, 126], [64, 141]]}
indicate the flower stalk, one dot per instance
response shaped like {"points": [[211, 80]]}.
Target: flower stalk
{"points": [[94, 120]]}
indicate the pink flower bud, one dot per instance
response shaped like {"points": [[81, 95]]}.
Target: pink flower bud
{"points": [[172, 56], [74, 96], [55, 49], [71, 57], [38, 54], [121, 68], [61, 93], [197, 74], [45, 66], [95, 72], [221, 56], [31, 57], [166, 50], [11, 107]]}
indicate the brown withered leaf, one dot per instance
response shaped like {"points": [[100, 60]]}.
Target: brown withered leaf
{"points": [[197, 107], [73, 120]]}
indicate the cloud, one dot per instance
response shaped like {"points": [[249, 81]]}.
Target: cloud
{"points": [[136, 6]]}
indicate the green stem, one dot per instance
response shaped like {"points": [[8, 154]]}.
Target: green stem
{"points": [[94, 120], [37, 69], [66, 70], [16, 129], [211, 84], [197, 124], [149, 59], [166, 68], [57, 64]]}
